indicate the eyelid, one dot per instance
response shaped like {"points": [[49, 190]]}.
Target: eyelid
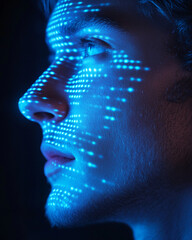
{"points": [[96, 41]]}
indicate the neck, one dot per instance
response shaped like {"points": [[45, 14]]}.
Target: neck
{"points": [[171, 219]]}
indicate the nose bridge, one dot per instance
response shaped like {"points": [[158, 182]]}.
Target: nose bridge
{"points": [[46, 99]]}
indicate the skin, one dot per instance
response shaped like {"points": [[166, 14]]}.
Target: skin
{"points": [[132, 146]]}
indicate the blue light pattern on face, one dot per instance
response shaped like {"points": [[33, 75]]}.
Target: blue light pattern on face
{"points": [[95, 81]]}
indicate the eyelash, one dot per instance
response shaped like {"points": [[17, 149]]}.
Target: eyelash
{"points": [[97, 43]]}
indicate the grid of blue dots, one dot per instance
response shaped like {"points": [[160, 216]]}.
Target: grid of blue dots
{"points": [[72, 130]]}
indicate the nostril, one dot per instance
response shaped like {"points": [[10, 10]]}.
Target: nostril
{"points": [[40, 116]]}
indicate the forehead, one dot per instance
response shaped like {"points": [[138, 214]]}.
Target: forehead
{"points": [[95, 3], [90, 6], [71, 14]]}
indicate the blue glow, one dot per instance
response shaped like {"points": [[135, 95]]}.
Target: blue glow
{"points": [[91, 165], [85, 95]]}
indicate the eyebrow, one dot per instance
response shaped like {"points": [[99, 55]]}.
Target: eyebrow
{"points": [[109, 17], [84, 22]]}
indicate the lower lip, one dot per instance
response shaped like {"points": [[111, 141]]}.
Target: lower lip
{"points": [[53, 167], [51, 170]]}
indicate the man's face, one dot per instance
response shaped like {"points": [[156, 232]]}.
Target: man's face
{"points": [[102, 102]]}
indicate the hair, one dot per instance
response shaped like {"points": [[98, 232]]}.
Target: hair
{"points": [[178, 13], [48, 6]]}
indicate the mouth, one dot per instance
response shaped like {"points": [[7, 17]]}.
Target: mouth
{"points": [[56, 159]]}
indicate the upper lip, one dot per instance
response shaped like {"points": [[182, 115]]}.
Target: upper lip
{"points": [[52, 153]]}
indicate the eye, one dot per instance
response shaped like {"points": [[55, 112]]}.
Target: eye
{"points": [[93, 47]]}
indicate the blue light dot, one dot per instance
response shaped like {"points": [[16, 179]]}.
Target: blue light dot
{"points": [[146, 68], [90, 153], [137, 68], [130, 89], [91, 165]]}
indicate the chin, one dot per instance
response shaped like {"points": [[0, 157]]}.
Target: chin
{"points": [[70, 218], [86, 210], [70, 207], [69, 213], [62, 218]]}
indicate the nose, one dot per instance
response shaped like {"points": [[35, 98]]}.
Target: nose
{"points": [[45, 100]]}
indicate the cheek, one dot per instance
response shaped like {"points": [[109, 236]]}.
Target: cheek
{"points": [[139, 141], [177, 131]]}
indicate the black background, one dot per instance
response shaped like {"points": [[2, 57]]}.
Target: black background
{"points": [[24, 188]]}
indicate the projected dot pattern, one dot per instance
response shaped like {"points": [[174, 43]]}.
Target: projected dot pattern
{"points": [[78, 75]]}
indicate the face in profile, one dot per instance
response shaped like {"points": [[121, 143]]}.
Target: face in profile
{"points": [[108, 131]]}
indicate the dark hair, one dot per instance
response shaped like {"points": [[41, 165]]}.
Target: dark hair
{"points": [[179, 13], [48, 6]]}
